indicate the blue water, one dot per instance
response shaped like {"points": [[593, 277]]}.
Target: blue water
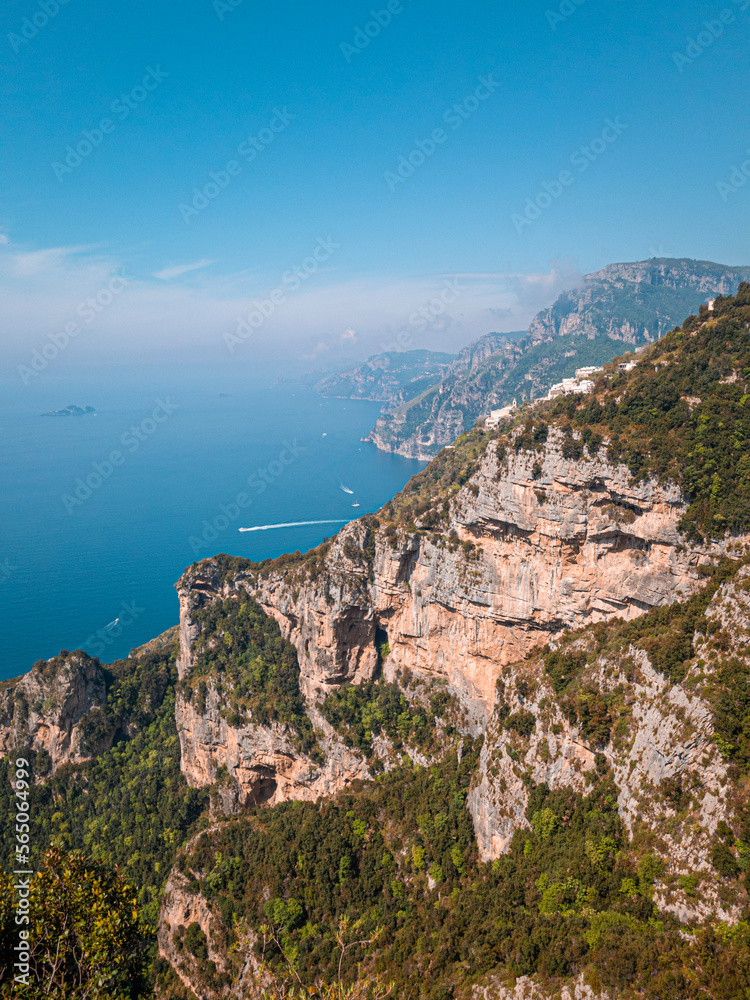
{"points": [[84, 540]]}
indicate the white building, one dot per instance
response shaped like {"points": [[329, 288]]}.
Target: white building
{"points": [[568, 386], [497, 415], [582, 373]]}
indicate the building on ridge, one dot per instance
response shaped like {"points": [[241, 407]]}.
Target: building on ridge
{"points": [[497, 415]]}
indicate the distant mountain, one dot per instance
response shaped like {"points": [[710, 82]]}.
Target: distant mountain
{"points": [[637, 303], [392, 378], [612, 311], [71, 411], [482, 349]]}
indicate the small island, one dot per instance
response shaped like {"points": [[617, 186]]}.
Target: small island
{"points": [[71, 411]]}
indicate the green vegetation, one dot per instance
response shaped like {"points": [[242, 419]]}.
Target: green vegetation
{"points": [[383, 882], [366, 856], [424, 500], [362, 712], [683, 414], [634, 300], [254, 667], [130, 806], [396, 860], [83, 933]]}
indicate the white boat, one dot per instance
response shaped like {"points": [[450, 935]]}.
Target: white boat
{"points": [[355, 505]]}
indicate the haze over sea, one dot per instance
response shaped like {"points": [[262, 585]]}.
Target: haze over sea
{"points": [[68, 570]]}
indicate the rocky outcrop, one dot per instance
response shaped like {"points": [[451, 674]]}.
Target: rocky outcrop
{"points": [[525, 988], [180, 909], [673, 787], [44, 709], [531, 550], [183, 908], [256, 763], [475, 382], [530, 557], [532, 546], [253, 764], [480, 350]]}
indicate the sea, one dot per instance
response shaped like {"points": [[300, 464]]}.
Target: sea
{"points": [[101, 514]]}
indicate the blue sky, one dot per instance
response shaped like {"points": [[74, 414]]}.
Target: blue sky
{"points": [[643, 123]]}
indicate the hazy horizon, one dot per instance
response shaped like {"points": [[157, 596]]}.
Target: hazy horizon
{"points": [[340, 173]]}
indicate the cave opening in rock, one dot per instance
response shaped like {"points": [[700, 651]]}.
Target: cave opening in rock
{"points": [[382, 648], [264, 790]]}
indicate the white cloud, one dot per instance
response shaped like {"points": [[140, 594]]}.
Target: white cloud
{"points": [[4, 239], [167, 273], [42, 290]]}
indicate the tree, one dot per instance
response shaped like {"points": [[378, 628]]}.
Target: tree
{"points": [[84, 933]]}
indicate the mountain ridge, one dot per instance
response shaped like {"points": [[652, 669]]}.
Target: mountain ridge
{"points": [[615, 309]]}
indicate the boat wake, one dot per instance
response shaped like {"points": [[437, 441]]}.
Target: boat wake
{"points": [[345, 488], [291, 524]]}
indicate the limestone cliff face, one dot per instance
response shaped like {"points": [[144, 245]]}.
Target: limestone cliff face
{"points": [[182, 907], [535, 550], [672, 783], [532, 546], [577, 544], [438, 421], [43, 710], [263, 763], [255, 763]]}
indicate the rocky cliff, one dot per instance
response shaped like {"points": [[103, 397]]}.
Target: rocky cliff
{"points": [[589, 626], [44, 709], [495, 735], [526, 553], [658, 739]]}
